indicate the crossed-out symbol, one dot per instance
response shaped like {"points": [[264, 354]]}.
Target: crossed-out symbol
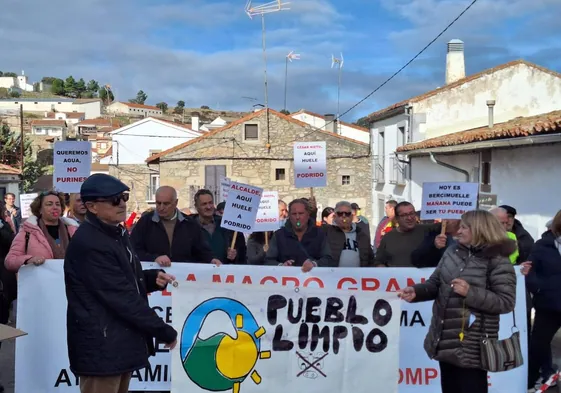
{"points": [[311, 365]]}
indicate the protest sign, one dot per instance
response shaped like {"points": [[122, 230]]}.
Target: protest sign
{"points": [[273, 339], [72, 165], [224, 187], [268, 214], [8, 333], [310, 164], [42, 361], [241, 207], [25, 204], [449, 200]]}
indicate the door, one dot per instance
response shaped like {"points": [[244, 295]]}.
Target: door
{"points": [[213, 174]]}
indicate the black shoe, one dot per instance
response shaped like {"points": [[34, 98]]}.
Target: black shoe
{"points": [[1, 388]]}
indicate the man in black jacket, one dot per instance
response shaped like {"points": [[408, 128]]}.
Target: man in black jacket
{"points": [[300, 242], [110, 326], [166, 235], [220, 239], [523, 238]]}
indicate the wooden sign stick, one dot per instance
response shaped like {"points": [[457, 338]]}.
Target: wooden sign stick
{"points": [[234, 238], [443, 231], [267, 239]]}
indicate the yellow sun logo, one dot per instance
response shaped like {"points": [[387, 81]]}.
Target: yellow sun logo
{"points": [[222, 362]]}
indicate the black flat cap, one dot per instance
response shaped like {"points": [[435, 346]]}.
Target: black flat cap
{"points": [[101, 185], [509, 210]]}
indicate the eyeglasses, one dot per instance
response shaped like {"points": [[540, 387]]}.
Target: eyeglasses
{"points": [[407, 215], [346, 214], [116, 200]]}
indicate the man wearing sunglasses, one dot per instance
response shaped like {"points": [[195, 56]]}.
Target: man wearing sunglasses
{"points": [[110, 326], [348, 241]]}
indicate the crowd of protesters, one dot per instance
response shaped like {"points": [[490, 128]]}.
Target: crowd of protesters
{"points": [[106, 286]]}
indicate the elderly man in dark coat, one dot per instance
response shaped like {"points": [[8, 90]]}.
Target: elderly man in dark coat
{"points": [[110, 326]]}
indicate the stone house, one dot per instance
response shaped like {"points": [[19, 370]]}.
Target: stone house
{"points": [[248, 151]]}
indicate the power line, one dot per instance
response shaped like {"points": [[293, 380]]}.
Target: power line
{"points": [[394, 74]]}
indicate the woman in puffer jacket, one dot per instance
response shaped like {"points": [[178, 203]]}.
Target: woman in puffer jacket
{"points": [[473, 278], [45, 235]]}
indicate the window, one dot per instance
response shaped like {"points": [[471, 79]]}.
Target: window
{"points": [[213, 175], [251, 132], [486, 158], [346, 180], [280, 174], [153, 187], [104, 145], [402, 140]]}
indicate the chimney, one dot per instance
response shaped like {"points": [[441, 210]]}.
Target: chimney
{"points": [[330, 123], [491, 105], [455, 62], [195, 121]]}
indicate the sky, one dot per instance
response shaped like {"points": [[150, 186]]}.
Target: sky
{"points": [[209, 52]]}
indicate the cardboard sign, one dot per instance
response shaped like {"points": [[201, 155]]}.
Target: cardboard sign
{"points": [[73, 165], [224, 187], [310, 164], [241, 207], [8, 333], [25, 203], [448, 201], [268, 214]]}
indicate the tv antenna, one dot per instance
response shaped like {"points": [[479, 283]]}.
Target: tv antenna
{"points": [[338, 62], [291, 56]]}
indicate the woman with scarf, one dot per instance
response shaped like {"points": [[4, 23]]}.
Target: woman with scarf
{"points": [[44, 235]]}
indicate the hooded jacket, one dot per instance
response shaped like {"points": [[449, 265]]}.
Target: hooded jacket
{"points": [[284, 246], [336, 239], [37, 246], [492, 292], [524, 239]]}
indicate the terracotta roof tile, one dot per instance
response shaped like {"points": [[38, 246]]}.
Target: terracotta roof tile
{"points": [[519, 127], [51, 123], [252, 115], [323, 117], [460, 82], [9, 170]]}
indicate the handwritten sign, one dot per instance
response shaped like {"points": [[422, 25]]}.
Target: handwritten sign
{"points": [[25, 204], [268, 214], [241, 207], [224, 187], [73, 164], [448, 200], [310, 164]]}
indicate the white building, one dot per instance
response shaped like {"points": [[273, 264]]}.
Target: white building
{"points": [[48, 127], [71, 118], [90, 107], [516, 163], [20, 82], [10, 178], [127, 108], [511, 90], [132, 144], [340, 127]]}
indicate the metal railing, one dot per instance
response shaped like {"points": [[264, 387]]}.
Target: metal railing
{"points": [[379, 175], [398, 172]]}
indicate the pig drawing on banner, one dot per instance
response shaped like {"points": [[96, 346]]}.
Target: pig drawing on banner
{"points": [[278, 339]]}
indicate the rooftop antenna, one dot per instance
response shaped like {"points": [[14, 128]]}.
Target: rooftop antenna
{"points": [[291, 56], [267, 8], [338, 62]]}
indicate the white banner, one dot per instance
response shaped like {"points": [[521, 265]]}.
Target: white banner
{"points": [[41, 356], [274, 339]]}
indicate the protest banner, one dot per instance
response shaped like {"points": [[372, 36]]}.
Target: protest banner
{"points": [[310, 164], [448, 201], [241, 208], [240, 340], [25, 204], [72, 165], [267, 219], [41, 356]]}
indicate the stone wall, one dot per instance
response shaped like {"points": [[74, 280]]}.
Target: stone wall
{"points": [[252, 162]]}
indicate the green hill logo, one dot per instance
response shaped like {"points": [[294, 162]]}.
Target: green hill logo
{"points": [[222, 362]]}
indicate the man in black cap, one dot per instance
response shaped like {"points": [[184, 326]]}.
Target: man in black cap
{"points": [[110, 326], [524, 239]]}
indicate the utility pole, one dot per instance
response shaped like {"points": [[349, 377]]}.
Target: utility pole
{"points": [[21, 136]]}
